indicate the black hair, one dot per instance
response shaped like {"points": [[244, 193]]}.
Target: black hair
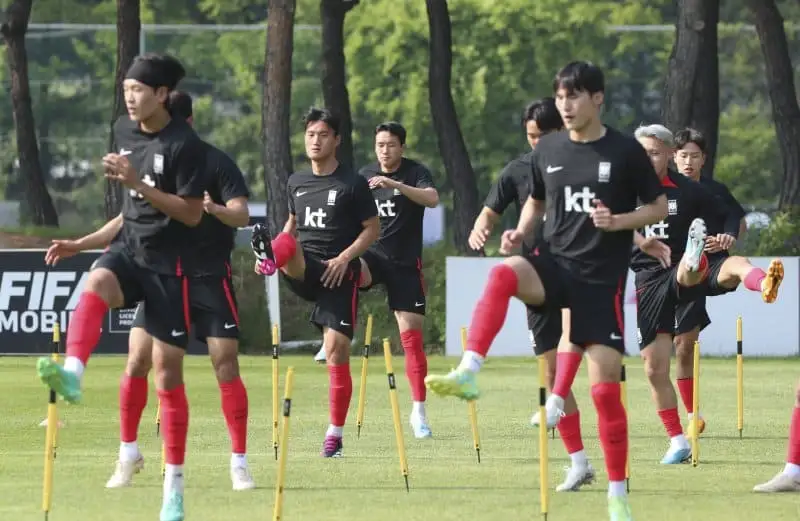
{"points": [[580, 76], [180, 104], [315, 114], [690, 135], [394, 128], [545, 114]]}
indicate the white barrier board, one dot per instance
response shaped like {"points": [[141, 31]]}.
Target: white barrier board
{"points": [[768, 329]]}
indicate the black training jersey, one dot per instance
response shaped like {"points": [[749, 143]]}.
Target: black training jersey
{"points": [[569, 176], [215, 239], [686, 200], [171, 160], [330, 210], [514, 187], [730, 212], [401, 218]]}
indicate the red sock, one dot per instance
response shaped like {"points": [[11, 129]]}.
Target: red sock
{"points": [[174, 423], [490, 312], [570, 430], [416, 363], [84, 329], [753, 279], [234, 408], [671, 421], [702, 267], [341, 390], [567, 365], [284, 246], [686, 388], [132, 401], [794, 438], [612, 424]]}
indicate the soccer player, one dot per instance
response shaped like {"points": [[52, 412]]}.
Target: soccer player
{"points": [[655, 264], [213, 310], [789, 479], [332, 211], [512, 187], [723, 232], [589, 181], [160, 165]]}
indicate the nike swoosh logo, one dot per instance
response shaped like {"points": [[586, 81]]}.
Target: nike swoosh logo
{"points": [[229, 326], [343, 323], [300, 194], [419, 304], [178, 333], [124, 152], [615, 337], [551, 169]]}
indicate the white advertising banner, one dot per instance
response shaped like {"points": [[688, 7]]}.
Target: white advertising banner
{"points": [[768, 329]]}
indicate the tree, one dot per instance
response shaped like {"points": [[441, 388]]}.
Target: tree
{"points": [[128, 28], [780, 82], [691, 97], [445, 122], [276, 110], [334, 76], [39, 206]]}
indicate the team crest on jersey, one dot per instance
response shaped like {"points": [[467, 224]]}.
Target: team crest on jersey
{"points": [[331, 197], [603, 172], [158, 164], [672, 207]]}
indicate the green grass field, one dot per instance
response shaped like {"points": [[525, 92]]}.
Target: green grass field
{"points": [[446, 481]]}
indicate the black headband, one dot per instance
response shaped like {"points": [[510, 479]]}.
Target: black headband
{"points": [[152, 74]]}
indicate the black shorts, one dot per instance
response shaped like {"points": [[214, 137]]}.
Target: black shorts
{"points": [[656, 297], [596, 312], [405, 285], [690, 315], [336, 308], [545, 329], [166, 317], [213, 309]]}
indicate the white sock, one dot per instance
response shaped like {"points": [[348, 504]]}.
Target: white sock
{"points": [[679, 442], [616, 489], [74, 365], [129, 451], [555, 400], [336, 432], [792, 469], [239, 461], [418, 410], [471, 361], [579, 459], [173, 479]]}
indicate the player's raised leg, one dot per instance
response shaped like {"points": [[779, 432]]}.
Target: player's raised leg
{"points": [[789, 479], [514, 277], [132, 401]]}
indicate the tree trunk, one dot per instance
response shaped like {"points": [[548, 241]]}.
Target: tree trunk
{"points": [[40, 207], [129, 27], [445, 122], [334, 77], [691, 97], [275, 110], [780, 82]]}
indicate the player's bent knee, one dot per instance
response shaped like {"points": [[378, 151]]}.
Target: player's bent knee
{"points": [[656, 360], [167, 365], [140, 353], [529, 288], [103, 282], [407, 321], [224, 354]]}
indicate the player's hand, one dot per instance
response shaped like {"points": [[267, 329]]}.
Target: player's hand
{"points": [[658, 250], [477, 238], [118, 168], [209, 205], [724, 241], [335, 270], [712, 244], [602, 216], [61, 249], [380, 181], [511, 240]]}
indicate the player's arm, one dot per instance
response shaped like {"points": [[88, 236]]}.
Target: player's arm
{"points": [[532, 214], [643, 178], [235, 213], [190, 180], [367, 215], [428, 197], [501, 195], [101, 238], [735, 223]]}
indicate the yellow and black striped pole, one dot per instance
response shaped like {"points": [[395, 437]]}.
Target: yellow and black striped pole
{"points": [[739, 377], [51, 436]]}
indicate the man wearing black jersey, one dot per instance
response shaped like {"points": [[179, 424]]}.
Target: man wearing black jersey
{"points": [[513, 187], [692, 317], [159, 162], [214, 316], [332, 211], [588, 180], [655, 264]]}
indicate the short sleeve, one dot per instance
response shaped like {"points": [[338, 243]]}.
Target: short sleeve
{"points": [[290, 196], [642, 175], [538, 189], [503, 192], [363, 203], [424, 178], [191, 178], [231, 180]]}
